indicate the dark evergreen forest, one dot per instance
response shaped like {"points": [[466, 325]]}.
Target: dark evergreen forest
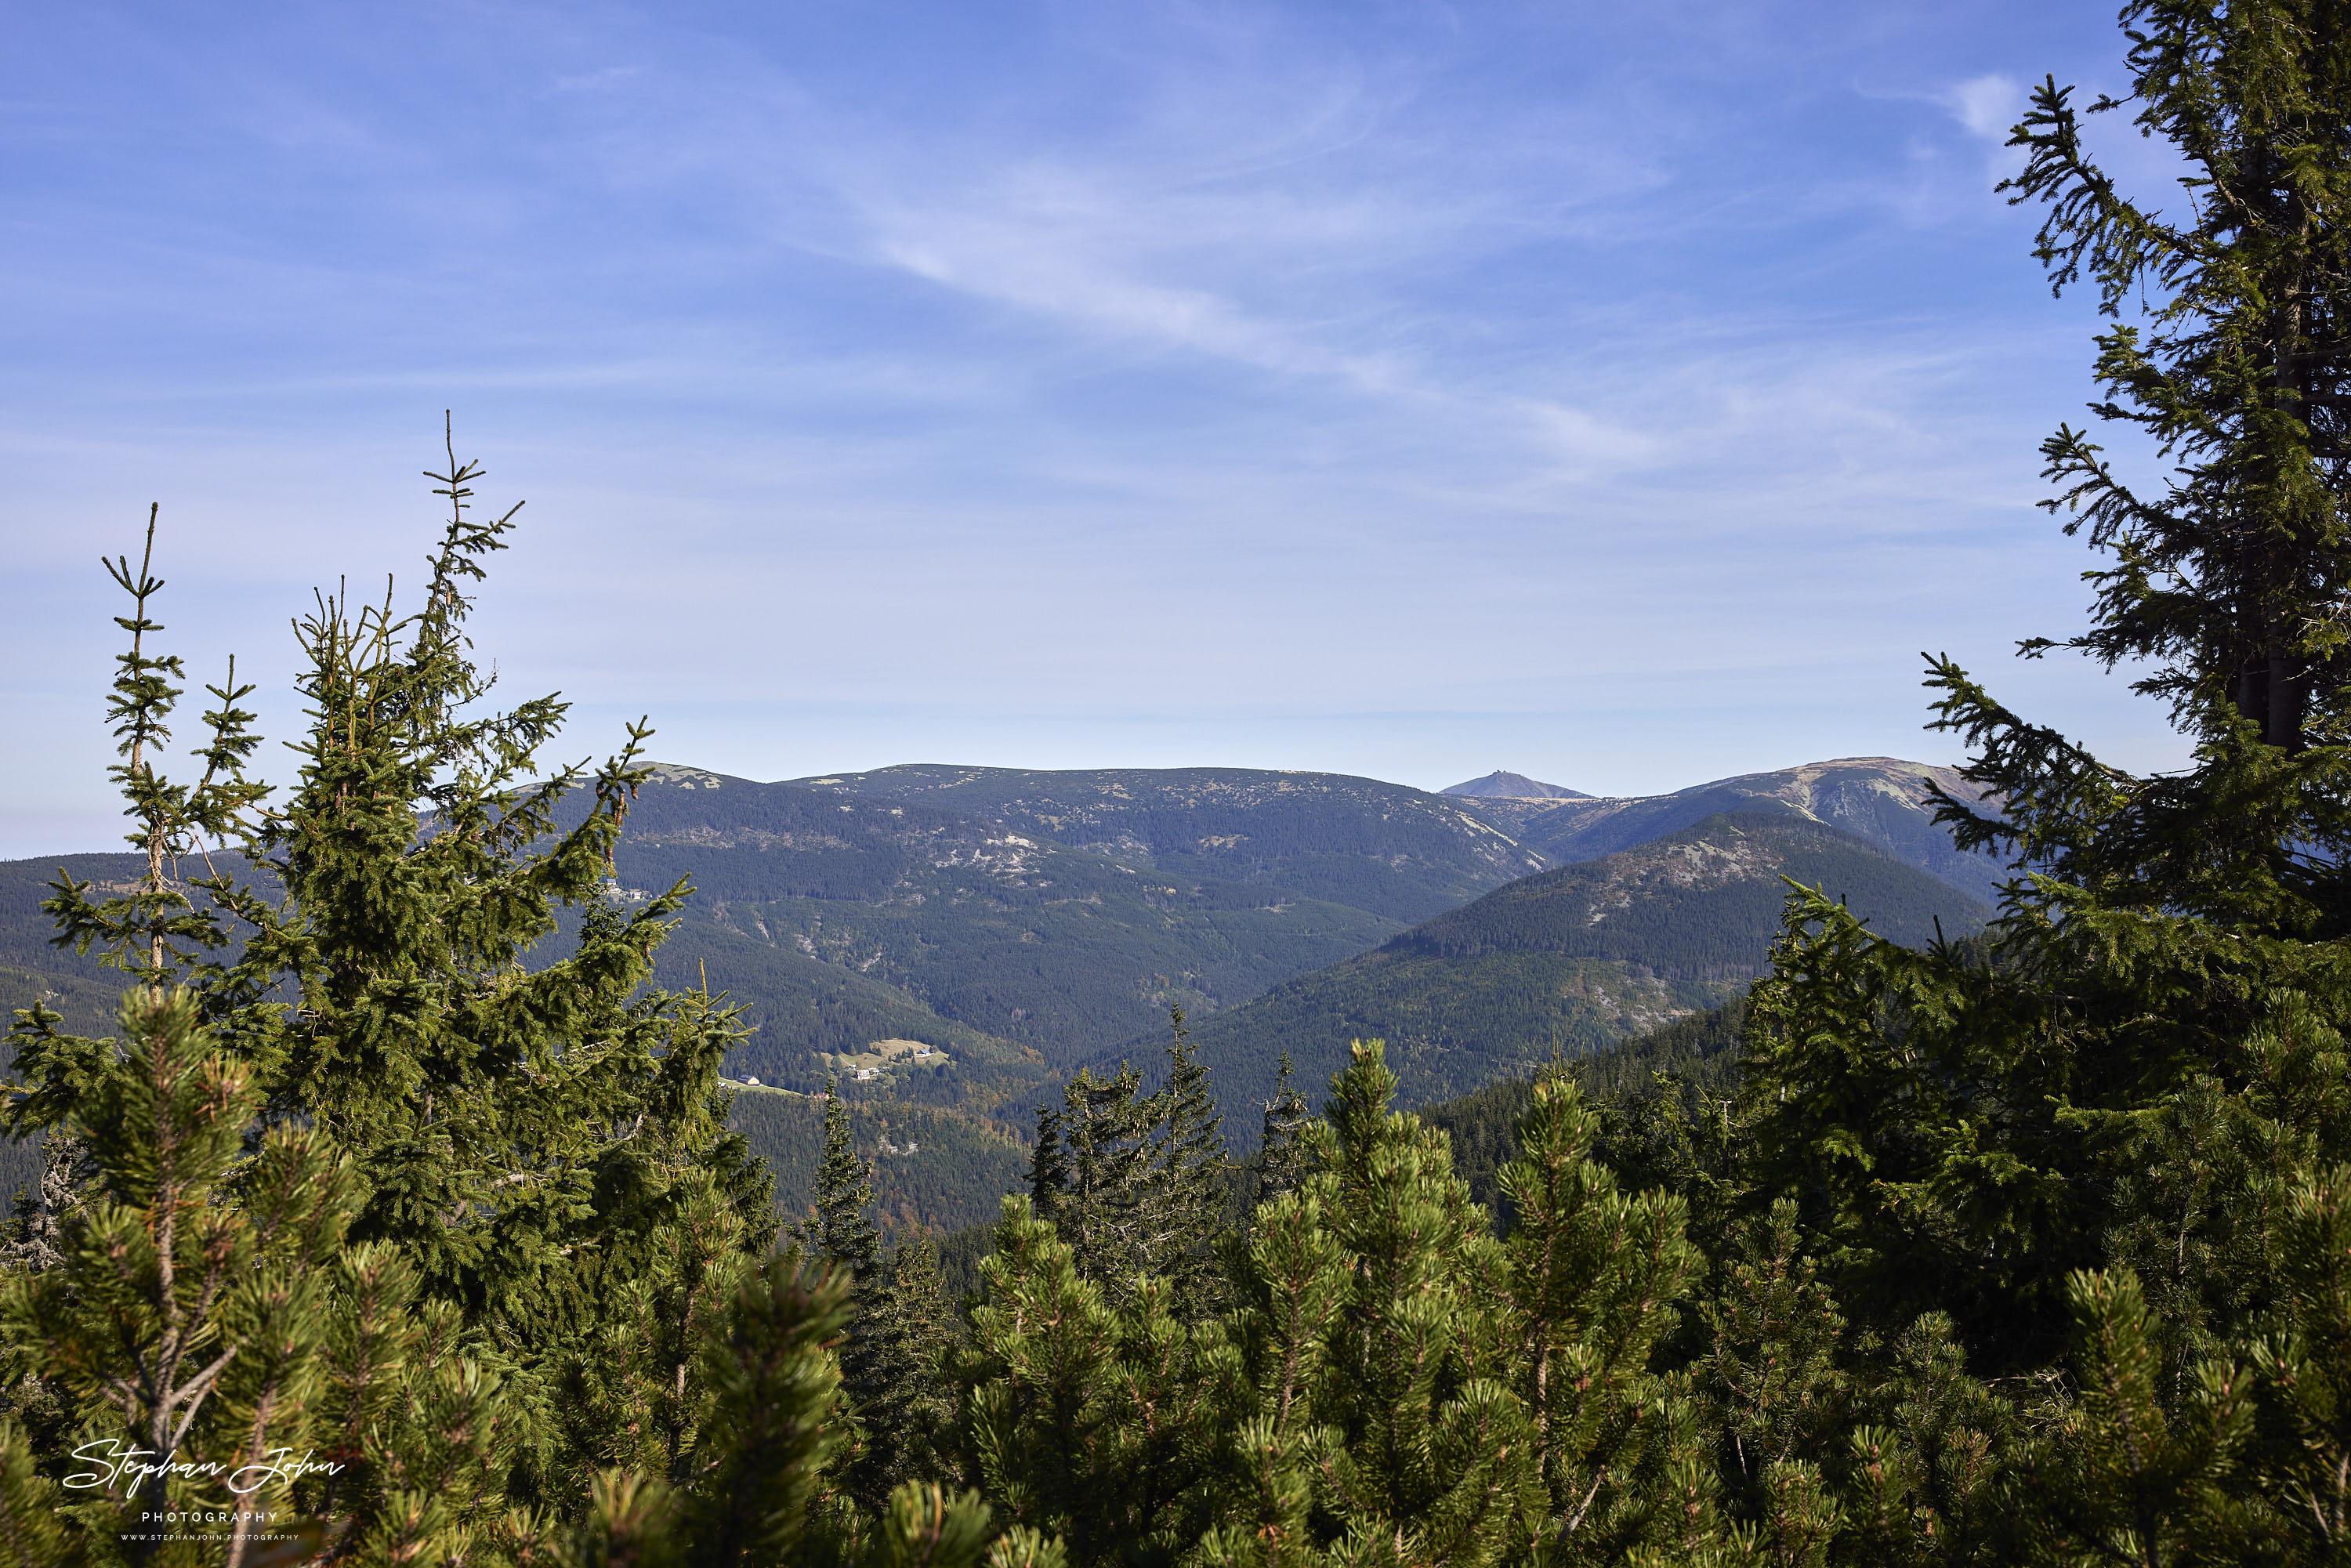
{"points": [[359, 1239]]}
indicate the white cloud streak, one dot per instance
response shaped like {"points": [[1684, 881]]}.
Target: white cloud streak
{"points": [[1175, 372], [1986, 105]]}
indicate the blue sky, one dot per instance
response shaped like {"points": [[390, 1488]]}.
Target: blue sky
{"points": [[1623, 394]]}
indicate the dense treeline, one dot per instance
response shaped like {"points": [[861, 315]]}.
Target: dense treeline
{"points": [[2032, 1250], [1697, 1058]]}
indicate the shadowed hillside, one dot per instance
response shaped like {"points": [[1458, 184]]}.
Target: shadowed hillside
{"points": [[1002, 933], [1567, 962], [1881, 800]]}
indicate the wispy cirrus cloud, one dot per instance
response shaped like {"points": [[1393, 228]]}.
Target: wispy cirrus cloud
{"points": [[1986, 105], [1618, 394]]}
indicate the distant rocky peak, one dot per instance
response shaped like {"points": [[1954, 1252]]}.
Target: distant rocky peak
{"points": [[1506, 786]]}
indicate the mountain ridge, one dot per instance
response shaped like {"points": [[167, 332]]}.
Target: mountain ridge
{"points": [[1570, 960], [1885, 800], [1016, 922], [1400, 852], [1501, 784]]}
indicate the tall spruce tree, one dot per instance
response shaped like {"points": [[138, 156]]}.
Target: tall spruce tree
{"points": [[1092, 1174], [913, 1331], [1183, 1195], [836, 1229], [1137, 1184], [1280, 1160], [2088, 1149], [2228, 580], [838, 1235], [525, 1139], [2233, 583]]}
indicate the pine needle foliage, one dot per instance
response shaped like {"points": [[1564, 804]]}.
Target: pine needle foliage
{"points": [[1137, 1183], [1281, 1166], [514, 1210], [2031, 1248]]}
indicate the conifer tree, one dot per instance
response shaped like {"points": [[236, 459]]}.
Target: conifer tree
{"points": [[636, 1403], [2124, 1472], [1375, 1334], [774, 1436], [232, 1361], [2086, 1150], [836, 1229], [1594, 1277], [1773, 1371], [2231, 584], [152, 931], [1418, 1379], [1092, 1171], [838, 1235], [914, 1329], [2228, 579], [1279, 1162], [1049, 1166], [1087, 1418], [1184, 1197], [43, 1215], [191, 1322], [525, 1140], [1925, 1477], [1273, 1492], [1137, 1183], [2304, 1363]]}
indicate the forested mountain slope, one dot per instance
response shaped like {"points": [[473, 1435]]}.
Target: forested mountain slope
{"points": [[933, 1170], [1050, 949], [1881, 800], [1402, 852], [968, 934], [1567, 961], [1702, 903]]}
